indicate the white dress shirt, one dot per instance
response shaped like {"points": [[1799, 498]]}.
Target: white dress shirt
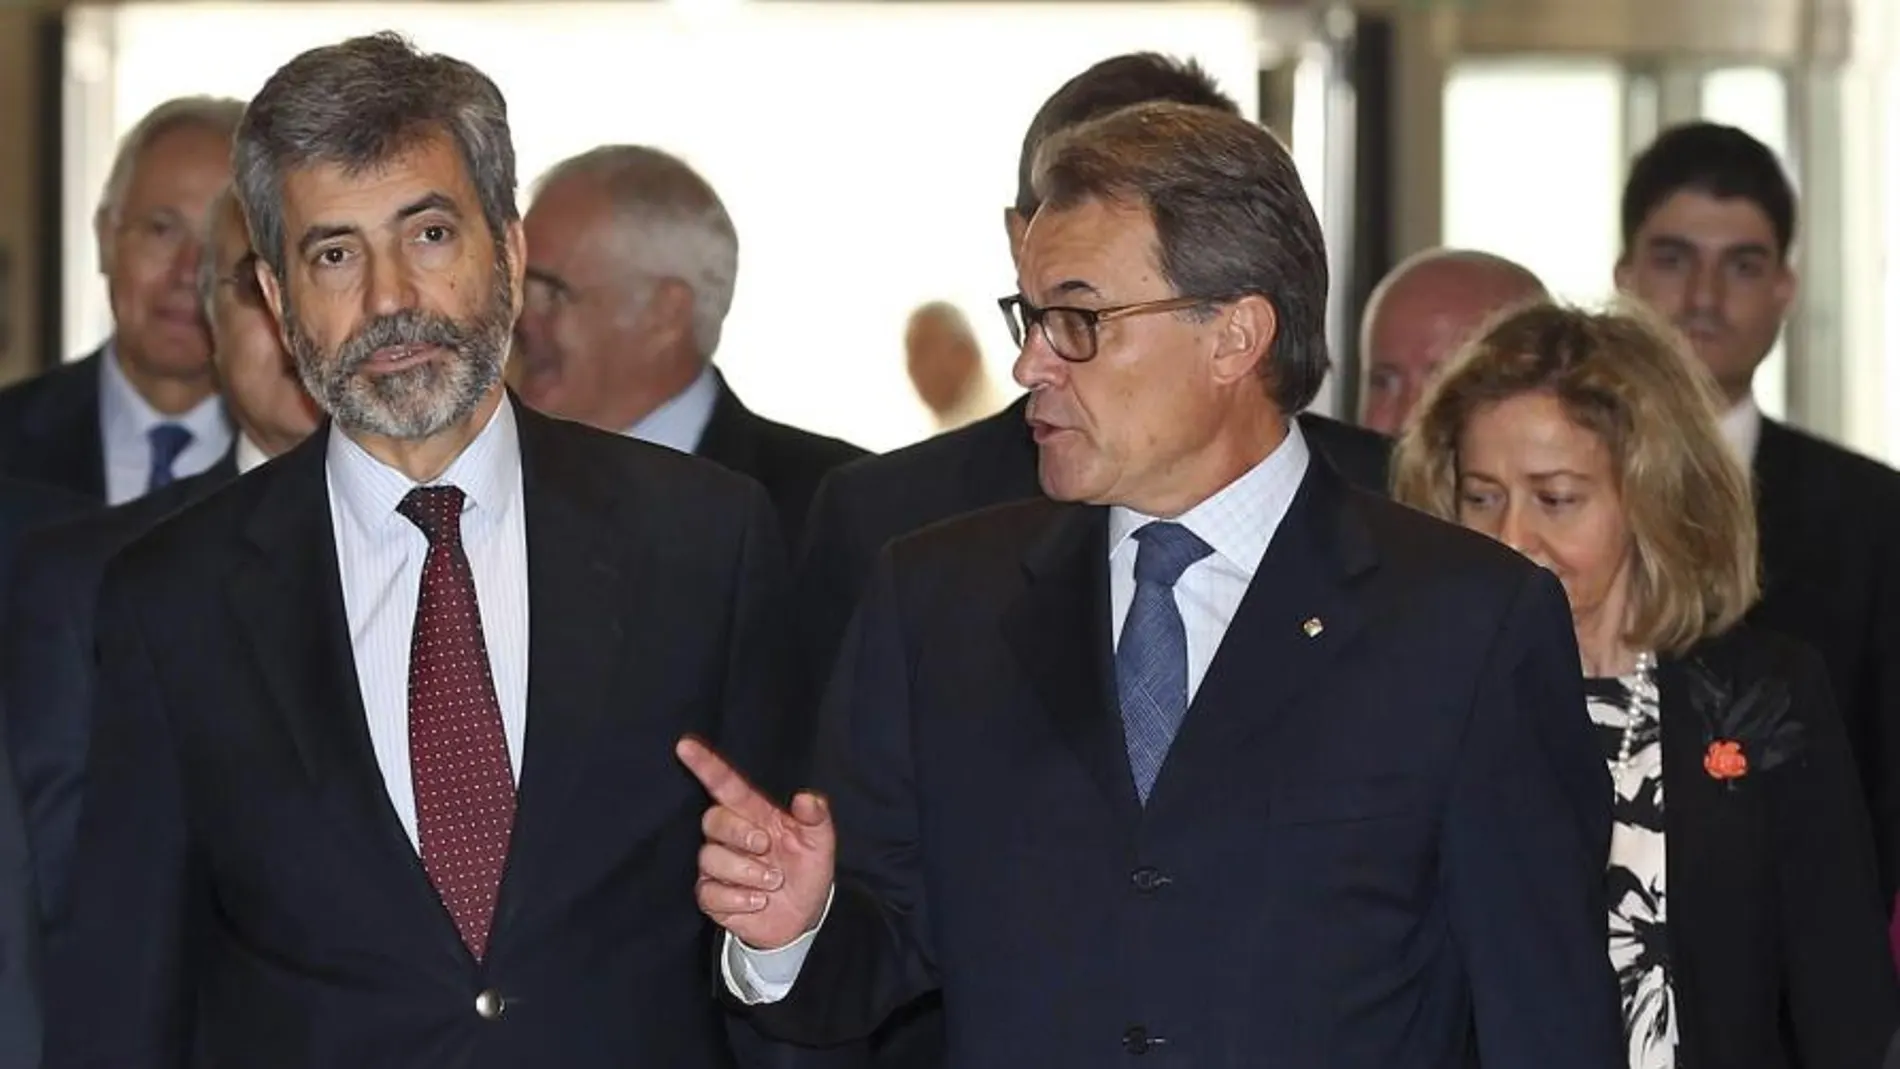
{"points": [[680, 423], [380, 555], [1741, 428], [1238, 522], [125, 418]]}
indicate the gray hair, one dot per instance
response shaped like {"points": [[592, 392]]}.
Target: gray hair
{"points": [[1231, 218], [216, 115], [681, 227], [358, 104]]}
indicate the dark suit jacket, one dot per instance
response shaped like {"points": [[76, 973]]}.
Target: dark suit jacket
{"points": [[239, 851], [1380, 846], [49, 429], [1830, 546], [1777, 928], [23, 506], [787, 461], [46, 664]]}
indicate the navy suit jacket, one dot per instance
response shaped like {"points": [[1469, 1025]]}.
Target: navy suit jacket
{"points": [[243, 893], [46, 664], [1378, 844]]}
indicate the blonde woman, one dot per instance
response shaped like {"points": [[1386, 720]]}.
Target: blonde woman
{"points": [[1745, 925]]}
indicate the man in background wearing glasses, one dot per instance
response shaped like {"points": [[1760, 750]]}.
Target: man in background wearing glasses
{"points": [[1211, 757]]}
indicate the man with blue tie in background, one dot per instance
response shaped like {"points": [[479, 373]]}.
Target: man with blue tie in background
{"points": [[1211, 758], [143, 410]]}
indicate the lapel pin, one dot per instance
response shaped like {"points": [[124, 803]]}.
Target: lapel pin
{"points": [[1312, 627]]}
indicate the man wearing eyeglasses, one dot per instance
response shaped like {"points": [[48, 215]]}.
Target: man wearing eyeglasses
{"points": [[46, 652], [143, 410], [1211, 757]]}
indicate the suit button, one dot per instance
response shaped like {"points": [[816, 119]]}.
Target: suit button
{"points": [[490, 1005], [1148, 879], [1136, 1041]]}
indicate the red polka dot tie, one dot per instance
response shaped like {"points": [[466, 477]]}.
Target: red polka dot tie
{"points": [[458, 753]]}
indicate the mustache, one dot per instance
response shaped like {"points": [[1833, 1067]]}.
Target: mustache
{"points": [[409, 327]]}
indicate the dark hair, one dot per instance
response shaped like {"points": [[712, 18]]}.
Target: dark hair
{"points": [[1114, 83], [1720, 161], [1231, 218], [358, 104]]}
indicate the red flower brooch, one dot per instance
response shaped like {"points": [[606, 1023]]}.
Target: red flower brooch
{"points": [[1725, 761]]}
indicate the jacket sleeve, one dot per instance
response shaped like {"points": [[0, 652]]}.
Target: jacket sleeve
{"points": [[1525, 842]]}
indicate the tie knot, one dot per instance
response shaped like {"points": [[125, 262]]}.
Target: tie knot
{"points": [[168, 440], [437, 510], [1167, 549]]}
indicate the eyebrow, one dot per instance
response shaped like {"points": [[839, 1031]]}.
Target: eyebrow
{"points": [[1681, 244], [428, 202], [1074, 286]]}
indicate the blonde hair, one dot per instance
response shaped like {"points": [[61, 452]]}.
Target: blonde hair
{"points": [[1626, 378]]}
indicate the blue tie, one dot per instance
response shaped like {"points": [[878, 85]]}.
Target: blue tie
{"points": [[1151, 661], [168, 441]]}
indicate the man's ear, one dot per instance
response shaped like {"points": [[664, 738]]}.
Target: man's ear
{"points": [[1245, 338]]}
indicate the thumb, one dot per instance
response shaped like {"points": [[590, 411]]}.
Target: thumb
{"points": [[810, 810]]}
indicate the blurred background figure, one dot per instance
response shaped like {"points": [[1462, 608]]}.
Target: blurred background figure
{"points": [[142, 410], [1746, 921], [1419, 314], [632, 262], [945, 365], [1709, 224]]}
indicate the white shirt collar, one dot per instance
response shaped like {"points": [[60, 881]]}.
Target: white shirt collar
{"points": [[250, 455], [126, 413], [681, 422], [1240, 519], [488, 472], [1741, 428]]}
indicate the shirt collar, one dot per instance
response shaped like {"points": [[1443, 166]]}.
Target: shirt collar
{"points": [[488, 472], [250, 455], [1741, 428], [1240, 519], [681, 421], [126, 413]]}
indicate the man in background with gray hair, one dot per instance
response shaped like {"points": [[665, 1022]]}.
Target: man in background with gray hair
{"points": [[632, 259], [142, 410], [1418, 316]]}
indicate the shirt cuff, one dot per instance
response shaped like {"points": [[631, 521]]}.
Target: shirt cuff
{"points": [[758, 976]]}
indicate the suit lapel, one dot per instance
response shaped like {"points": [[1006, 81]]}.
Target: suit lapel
{"points": [[584, 545], [1059, 630], [287, 594], [1689, 798], [1297, 616]]}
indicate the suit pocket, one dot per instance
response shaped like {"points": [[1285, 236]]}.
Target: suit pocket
{"points": [[1345, 800]]}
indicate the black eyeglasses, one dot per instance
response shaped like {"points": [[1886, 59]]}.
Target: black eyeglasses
{"points": [[243, 279], [1072, 332]]}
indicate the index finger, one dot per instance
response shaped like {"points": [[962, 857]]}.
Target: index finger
{"points": [[724, 782]]}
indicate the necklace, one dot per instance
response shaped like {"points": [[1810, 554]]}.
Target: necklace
{"points": [[1643, 698]]}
